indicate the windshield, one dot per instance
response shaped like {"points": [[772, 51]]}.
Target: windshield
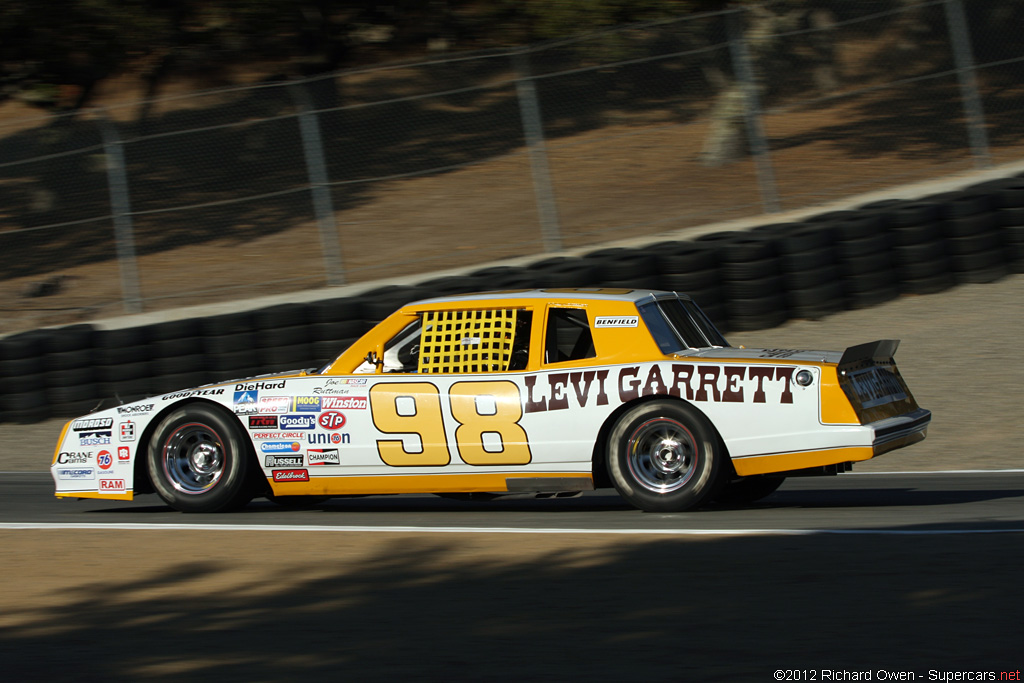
{"points": [[678, 324]]}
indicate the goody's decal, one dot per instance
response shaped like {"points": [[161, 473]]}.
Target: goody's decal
{"points": [[298, 421]]}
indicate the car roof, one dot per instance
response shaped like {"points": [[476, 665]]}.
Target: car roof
{"points": [[567, 295]]}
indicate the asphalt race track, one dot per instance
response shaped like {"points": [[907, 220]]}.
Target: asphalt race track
{"points": [[974, 502], [857, 577]]}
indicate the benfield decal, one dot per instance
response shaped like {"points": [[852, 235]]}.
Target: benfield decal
{"points": [[487, 414]]}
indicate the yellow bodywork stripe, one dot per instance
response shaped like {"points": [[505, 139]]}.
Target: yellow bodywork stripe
{"points": [[94, 494], [407, 483], [783, 462]]}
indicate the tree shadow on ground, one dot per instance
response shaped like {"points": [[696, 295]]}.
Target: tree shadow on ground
{"points": [[444, 608]]}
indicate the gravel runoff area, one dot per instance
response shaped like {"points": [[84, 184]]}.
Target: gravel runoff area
{"points": [[957, 353]]}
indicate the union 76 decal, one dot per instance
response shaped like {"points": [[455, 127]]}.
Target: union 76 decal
{"points": [[487, 414]]}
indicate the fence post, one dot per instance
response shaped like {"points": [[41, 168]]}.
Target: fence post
{"points": [[316, 169], [120, 206], [529, 110], [752, 112], [968, 83]]}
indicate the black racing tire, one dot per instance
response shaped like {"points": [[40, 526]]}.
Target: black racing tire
{"points": [[199, 460], [932, 284], [688, 282], [749, 489], [664, 456]]}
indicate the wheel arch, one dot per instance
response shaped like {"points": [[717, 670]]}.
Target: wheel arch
{"points": [[598, 461], [142, 482]]}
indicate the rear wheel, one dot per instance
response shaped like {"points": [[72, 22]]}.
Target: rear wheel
{"points": [[198, 461], [664, 456]]}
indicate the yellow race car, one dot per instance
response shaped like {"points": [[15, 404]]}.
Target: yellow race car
{"points": [[541, 391]]}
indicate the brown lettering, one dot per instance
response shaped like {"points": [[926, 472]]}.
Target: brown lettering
{"points": [[581, 385], [733, 390], [559, 397], [708, 378], [681, 374], [602, 396], [633, 390], [785, 374], [532, 405], [655, 382], [761, 373]]}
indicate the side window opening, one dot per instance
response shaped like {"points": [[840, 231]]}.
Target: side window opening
{"points": [[468, 341], [568, 336]]}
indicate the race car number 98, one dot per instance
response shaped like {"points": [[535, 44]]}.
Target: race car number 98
{"points": [[487, 414]]}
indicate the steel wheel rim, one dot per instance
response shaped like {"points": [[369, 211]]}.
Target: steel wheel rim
{"points": [[662, 455], [194, 458]]}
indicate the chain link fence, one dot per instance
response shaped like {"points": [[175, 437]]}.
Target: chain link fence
{"points": [[371, 173]]}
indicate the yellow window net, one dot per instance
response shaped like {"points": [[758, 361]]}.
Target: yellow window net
{"points": [[466, 341]]}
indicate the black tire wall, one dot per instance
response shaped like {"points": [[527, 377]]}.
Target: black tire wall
{"points": [[744, 280]]}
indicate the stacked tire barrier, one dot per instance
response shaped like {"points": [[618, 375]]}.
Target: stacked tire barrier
{"points": [[744, 280]]}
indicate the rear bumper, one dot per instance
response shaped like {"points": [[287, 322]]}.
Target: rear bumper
{"points": [[902, 430]]}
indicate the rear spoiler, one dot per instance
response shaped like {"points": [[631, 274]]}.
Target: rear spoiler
{"points": [[877, 351]]}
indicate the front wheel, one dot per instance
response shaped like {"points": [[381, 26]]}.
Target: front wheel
{"points": [[664, 456], [198, 461]]}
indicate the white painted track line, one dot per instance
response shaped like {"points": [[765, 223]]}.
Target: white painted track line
{"points": [[41, 526]]}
